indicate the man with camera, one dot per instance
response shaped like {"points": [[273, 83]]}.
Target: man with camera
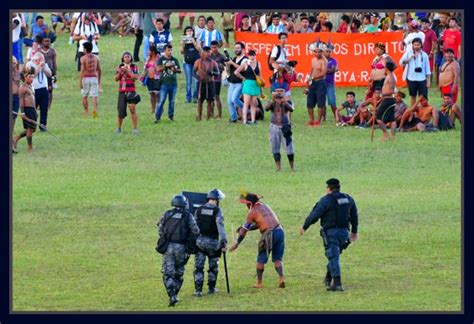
{"points": [[211, 241], [220, 60], [168, 66], [176, 228], [417, 70], [280, 128], [86, 30], [205, 69], [338, 213]]}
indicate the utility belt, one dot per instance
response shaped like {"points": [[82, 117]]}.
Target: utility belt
{"points": [[323, 234]]}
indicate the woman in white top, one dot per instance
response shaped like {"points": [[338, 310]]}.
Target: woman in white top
{"points": [[40, 85]]}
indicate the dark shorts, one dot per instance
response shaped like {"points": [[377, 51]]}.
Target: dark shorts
{"points": [[410, 124], [122, 105], [30, 112], [206, 91], [217, 88], [417, 88], [16, 105], [153, 85], [377, 84], [316, 94], [386, 110], [278, 247]]}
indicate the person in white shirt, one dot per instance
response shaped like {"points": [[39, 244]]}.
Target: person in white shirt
{"points": [[40, 85], [414, 32], [200, 27], [86, 29]]}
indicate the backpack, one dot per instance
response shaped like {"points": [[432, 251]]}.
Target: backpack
{"points": [[277, 56]]}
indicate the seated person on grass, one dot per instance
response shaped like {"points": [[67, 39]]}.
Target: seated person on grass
{"points": [[350, 106], [400, 107], [363, 113], [448, 113], [421, 117]]}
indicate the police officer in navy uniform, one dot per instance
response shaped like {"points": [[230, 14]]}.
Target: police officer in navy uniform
{"points": [[338, 214], [210, 243], [179, 225]]}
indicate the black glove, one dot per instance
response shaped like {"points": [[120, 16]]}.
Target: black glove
{"points": [[222, 243]]}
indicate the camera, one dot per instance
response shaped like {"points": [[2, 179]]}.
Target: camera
{"points": [[187, 39], [418, 70], [90, 38]]}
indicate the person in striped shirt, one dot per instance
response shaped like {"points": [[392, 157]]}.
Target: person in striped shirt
{"points": [[210, 34], [126, 75], [276, 27]]}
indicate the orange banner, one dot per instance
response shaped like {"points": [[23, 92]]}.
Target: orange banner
{"points": [[354, 53]]}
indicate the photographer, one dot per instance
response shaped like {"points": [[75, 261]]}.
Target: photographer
{"points": [[126, 75], [190, 49], [417, 71], [280, 128], [86, 30], [168, 66], [205, 69]]}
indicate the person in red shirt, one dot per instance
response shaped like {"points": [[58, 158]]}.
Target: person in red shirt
{"points": [[431, 41], [452, 38], [127, 74], [344, 25]]}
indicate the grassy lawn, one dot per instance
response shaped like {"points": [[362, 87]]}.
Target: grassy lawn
{"points": [[86, 204]]}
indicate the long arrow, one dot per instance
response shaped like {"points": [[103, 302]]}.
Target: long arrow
{"points": [[41, 126]]}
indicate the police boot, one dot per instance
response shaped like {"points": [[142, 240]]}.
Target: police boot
{"points": [[336, 285], [197, 290], [173, 301], [327, 279], [212, 287]]}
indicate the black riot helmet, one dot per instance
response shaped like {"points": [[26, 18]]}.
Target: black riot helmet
{"points": [[179, 201], [215, 194]]}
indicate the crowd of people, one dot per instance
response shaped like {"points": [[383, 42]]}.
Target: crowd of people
{"points": [[432, 42]]}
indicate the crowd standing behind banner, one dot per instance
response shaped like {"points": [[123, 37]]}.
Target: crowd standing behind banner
{"points": [[421, 44]]}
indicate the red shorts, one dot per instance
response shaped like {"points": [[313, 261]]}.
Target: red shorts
{"points": [[448, 90], [431, 60]]}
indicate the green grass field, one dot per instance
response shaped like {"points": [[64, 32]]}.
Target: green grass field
{"points": [[85, 207]]}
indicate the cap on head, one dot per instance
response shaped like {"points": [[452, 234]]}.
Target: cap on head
{"points": [[414, 23], [333, 183], [215, 194], [179, 201]]}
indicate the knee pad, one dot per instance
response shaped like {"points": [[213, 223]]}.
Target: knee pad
{"points": [[291, 157], [277, 157]]}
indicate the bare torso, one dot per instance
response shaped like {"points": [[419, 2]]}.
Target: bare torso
{"points": [[27, 96], [447, 73], [90, 64], [318, 68]]}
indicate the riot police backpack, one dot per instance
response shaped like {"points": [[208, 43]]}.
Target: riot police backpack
{"points": [[164, 240]]}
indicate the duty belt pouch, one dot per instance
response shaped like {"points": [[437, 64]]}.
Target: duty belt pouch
{"points": [[323, 235], [162, 245]]}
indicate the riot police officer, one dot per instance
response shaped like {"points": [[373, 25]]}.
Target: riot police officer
{"points": [[336, 210], [210, 243], [178, 226]]}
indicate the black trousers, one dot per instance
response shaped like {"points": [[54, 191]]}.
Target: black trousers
{"points": [[41, 100], [138, 43]]}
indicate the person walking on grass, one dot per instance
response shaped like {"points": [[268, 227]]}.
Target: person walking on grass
{"points": [[338, 214], [89, 79]]}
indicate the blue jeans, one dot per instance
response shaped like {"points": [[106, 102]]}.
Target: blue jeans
{"points": [[331, 94], [191, 82], [146, 46], [335, 238], [233, 99], [170, 91]]}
